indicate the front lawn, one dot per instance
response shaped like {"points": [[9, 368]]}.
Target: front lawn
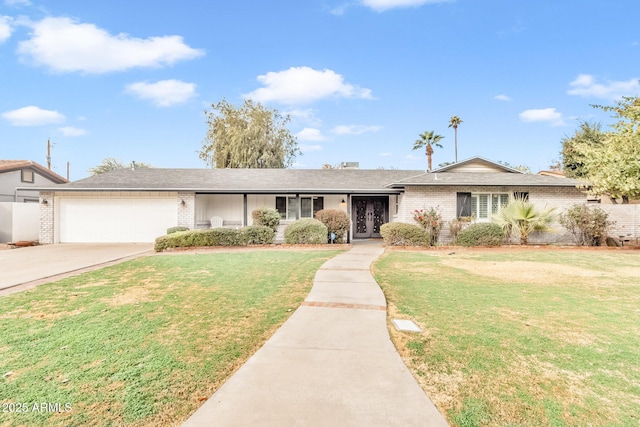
{"points": [[521, 338], [145, 342]]}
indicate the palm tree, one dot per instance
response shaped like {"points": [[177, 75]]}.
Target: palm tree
{"points": [[427, 139], [454, 122], [523, 217]]}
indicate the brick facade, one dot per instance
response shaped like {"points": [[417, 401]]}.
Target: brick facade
{"points": [[187, 211], [627, 221], [443, 198], [47, 218]]}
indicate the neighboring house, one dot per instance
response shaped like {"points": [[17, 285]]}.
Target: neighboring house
{"points": [[139, 205], [19, 211], [21, 174]]}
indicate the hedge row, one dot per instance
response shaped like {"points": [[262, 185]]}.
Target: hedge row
{"points": [[251, 235]]}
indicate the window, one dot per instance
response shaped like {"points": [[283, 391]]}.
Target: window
{"points": [[288, 206], [26, 175], [483, 206]]}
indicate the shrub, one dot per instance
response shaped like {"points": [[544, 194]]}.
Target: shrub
{"points": [[337, 222], [456, 225], [481, 234], [172, 230], [259, 235], [306, 231], [588, 225], [266, 216], [401, 234], [430, 220], [523, 217], [208, 237]]}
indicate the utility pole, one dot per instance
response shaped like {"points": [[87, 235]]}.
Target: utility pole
{"points": [[49, 153], [67, 171]]}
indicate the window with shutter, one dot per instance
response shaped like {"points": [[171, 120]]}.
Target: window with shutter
{"points": [[318, 205], [463, 207], [281, 207]]}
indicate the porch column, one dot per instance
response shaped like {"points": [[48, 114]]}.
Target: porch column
{"points": [[245, 220], [186, 209], [298, 210], [350, 233]]}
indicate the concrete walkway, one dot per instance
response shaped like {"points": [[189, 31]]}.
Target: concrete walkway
{"points": [[331, 364]]}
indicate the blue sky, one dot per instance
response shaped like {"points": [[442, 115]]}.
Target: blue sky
{"points": [[361, 79]]}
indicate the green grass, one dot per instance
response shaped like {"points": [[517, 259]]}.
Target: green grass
{"points": [[522, 338], [146, 341]]}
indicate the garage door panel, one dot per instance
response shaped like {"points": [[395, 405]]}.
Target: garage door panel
{"points": [[115, 219]]}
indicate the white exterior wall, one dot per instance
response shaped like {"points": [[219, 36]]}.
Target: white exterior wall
{"points": [[444, 199], [230, 207], [627, 221]]}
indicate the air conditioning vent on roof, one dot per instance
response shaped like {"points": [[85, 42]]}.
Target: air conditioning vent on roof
{"points": [[350, 165]]}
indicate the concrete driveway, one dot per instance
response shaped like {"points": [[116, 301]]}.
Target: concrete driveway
{"points": [[27, 267]]}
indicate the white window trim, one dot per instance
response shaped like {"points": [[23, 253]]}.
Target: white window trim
{"points": [[490, 212], [287, 198]]}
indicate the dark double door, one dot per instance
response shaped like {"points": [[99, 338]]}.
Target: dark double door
{"points": [[368, 215]]}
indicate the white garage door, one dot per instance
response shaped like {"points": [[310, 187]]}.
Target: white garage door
{"points": [[115, 220]]}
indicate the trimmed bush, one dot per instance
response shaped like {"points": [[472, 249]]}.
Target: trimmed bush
{"points": [[456, 225], [401, 234], [337, 222], [481, 234], [172, 230], [259, 235], [208, 237], [588, 225], [306, 231], [266, 216]]}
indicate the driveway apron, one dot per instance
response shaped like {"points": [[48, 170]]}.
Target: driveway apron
{"points": [[39, 263], [331, 364]]}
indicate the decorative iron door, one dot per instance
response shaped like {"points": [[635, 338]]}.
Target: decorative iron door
{"points": [[369, 213]]}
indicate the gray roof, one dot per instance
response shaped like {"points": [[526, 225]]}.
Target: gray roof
{"points": [[339, 181], [290, 181], [484, 179]]}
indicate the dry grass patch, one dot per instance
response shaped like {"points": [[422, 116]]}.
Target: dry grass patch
{"points": [[528, 338], [156, 338]]}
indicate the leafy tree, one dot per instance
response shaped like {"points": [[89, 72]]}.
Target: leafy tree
{"points": [[454, 122], [523, 217], [427, 140], [612, 167], [110, 164], [521, 168], [588, 134], [249, 136]]}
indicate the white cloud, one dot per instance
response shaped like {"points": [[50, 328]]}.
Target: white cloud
{"points": [[543, 115], [71, 131], [385, 154], [354, 129], [33, 116], [66, 46], [5, 28], [164, 93], [301, 85], [310, 134], [382, 5], [307, 148], [502, 97], [585, 85]]}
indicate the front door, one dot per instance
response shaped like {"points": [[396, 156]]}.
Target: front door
{"points": [[368, 215]]}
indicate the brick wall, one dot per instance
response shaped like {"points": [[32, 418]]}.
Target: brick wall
{"points": [[187, 212], [444, 199], [46, 218], [627, 221]]}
